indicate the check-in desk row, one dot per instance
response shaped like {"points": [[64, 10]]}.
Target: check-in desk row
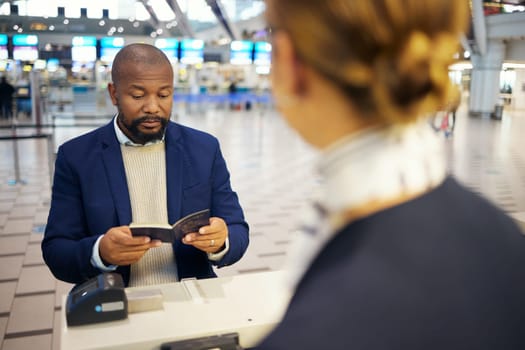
{"points": [[250, 305]]}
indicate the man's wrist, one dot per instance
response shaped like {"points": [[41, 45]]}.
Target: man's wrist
{"points": [[96, 259], [221, 252]]}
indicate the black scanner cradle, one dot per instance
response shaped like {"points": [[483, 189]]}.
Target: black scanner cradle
{"points": [[101, 299]]}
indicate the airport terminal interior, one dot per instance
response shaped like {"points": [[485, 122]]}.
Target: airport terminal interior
{"points": [[61, 76]]}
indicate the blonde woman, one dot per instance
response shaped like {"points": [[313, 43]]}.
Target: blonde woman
{"points": [[405, 256]]}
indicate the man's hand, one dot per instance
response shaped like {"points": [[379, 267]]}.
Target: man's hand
{"points": [[209, 239], [119, 247]]}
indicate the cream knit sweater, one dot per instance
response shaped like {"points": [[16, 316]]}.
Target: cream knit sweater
{"points": [[146, 176]]}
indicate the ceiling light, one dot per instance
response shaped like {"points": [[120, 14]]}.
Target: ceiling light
{"points": [[223, 41], [38, 26]]}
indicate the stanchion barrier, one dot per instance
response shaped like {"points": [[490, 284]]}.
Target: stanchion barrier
{"points": [[15, 139], [43, 126]]}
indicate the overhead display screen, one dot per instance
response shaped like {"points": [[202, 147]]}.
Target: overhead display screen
{"points": [[241, 52], [4, 54], [262, 53], [25, 53], [191, 51], [84, 53], [84, 41], [25, 47], [25, 40], [109, 46], [170, 47], [84, 49]]}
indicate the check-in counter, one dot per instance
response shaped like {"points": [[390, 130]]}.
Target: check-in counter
{"points": [[250, 304]]}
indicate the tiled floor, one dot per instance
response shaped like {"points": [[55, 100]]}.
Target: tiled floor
{"points": [[271, 170]]}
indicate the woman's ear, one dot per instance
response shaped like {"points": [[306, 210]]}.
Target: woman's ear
{"points": [[288, 71]]}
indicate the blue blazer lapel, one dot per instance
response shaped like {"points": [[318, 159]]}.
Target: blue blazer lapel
{"points": [[116, 174], [174, 172]]}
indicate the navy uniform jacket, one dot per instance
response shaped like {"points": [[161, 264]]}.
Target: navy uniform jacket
{"points": [[90, 195], [443, 271]]}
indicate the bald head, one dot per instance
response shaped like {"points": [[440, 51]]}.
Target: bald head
{"points": [[136, 54]]}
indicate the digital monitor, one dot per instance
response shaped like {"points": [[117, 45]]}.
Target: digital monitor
{"points": [[84, 41], [169, 46], [3, 39], [241, 52], [84, 48], [262, 53], [107, 54], [112, 41], [25, 40], [25, 47], [25, 53], [4, 54], [109, 46], [84, 53], [191, 51]]}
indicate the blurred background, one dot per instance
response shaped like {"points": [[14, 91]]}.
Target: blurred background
{"points": [[57, 56]]}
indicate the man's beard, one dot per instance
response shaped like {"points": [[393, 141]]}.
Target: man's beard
{"points": [[138, 136]]}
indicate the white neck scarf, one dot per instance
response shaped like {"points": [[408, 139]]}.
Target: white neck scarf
{"points": [[380, 163]]}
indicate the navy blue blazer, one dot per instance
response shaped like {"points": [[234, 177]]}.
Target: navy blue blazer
{"points": [[442, 271], [90, 195]]}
